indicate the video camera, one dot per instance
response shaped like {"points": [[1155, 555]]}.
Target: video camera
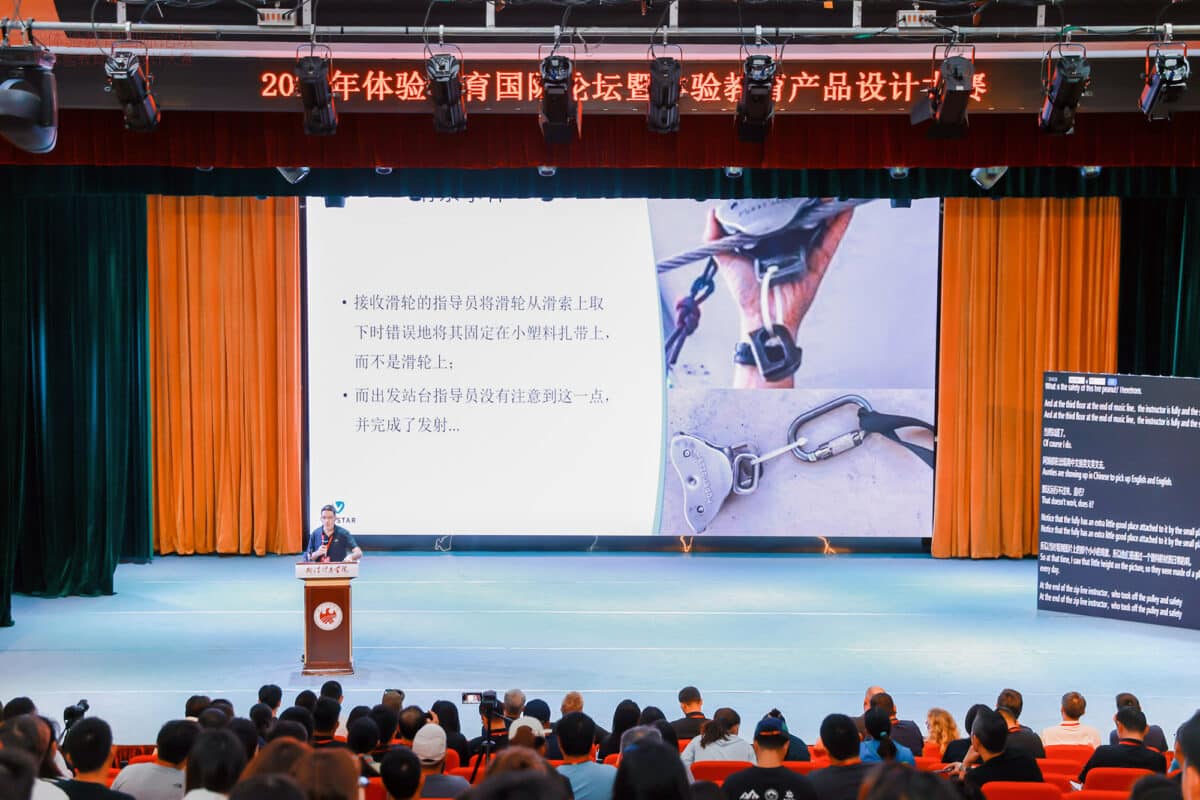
{"points": [[72, 714], [489, 704]]}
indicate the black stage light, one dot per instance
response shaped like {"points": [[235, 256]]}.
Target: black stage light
{"points": [[662, 108], [28, 98], [756, 106], [1167, 73], [293, 175], [987, 177], [946, 105], [129, 82], [312, 74], [1066, 81], [444, 89], [561, 118]]}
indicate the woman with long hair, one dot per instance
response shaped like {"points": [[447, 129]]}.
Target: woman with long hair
{"points": [[942, 731], [328, 774], [446, 714], [878, 746], [625, 716], [719, 741]]}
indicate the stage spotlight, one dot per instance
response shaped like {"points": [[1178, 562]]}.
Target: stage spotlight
{"points": [[1090, 172], [312, 75], [756, 106], [28, 98], [946, 104], [987, 177], [383, 170], [662, 110], [898, 173], [561, 118], [1065, 83], [733, 172], [547, 171], [444, 89], [1166, 77], [293, 175], [129, 82]]}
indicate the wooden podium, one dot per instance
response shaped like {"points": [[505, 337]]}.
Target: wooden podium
{"points": [[327, 642]]}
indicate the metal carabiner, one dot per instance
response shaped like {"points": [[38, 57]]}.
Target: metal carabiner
{"points": [[835, 446]]}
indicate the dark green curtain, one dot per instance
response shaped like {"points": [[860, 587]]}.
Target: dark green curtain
{"points": [[1159, 324], [74, 365]]}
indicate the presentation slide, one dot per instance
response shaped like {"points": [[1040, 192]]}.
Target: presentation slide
{"points": [[603, 367], [1120, 478]]}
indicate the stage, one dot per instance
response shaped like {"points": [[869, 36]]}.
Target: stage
{"points": [[806, 634]]}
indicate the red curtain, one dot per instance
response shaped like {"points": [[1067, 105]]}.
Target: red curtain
{"points": [[195, 138]]}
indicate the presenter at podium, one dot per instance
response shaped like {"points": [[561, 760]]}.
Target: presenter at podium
{"points": [[331, 542]]}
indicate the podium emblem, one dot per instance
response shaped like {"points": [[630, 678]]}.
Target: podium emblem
{"points": [[327, 616]]}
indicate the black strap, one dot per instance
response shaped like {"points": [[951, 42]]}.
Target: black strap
{"points": [[744, 354], [887, 424]]}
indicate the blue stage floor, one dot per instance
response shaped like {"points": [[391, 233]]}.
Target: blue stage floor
{"points": [[806, 634]]}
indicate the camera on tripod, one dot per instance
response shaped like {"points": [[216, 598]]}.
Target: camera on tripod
{"points": [[72, 714], [489, 704]]}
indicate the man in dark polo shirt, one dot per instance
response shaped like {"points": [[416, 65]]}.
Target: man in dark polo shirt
{"points": [[904, 731], [844, 775], [989, 738], [1130, 749], [1020, 737], [692, 705], [770, 778], [331, 542]]}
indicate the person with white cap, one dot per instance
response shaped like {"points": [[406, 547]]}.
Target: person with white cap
{"points": [[429, 744], [528, 732]]}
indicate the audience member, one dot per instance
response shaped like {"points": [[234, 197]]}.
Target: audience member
{"points": [[1156, 787], [411, 720], [718, 741], [394, 699], [904, 731], [362, 739], [447, 716], [495, 737], [279, 757], [263, 718], [325, 722], [770, 778], [301, 715], [271, 696], [528, 732], [401, 773], [19, 706], [1130, 749], [797, 749], [516, 758], [519, 785], [89, 749], [162, 779], [195, 704], [956, 751], [651, 715], [879, 744], [540, 710], [31, 735], [268, 787], [989, 738], [860, 720], [214, 765], [651, 772], [514, 703], [692, 705], [1020, 738], [430, 747], [1189, 747], [571, 702], [356, 713], [288, 729], [668, 733], [640, 733], [1071, 730], [333, 690], [387, 722], [17, 774], [1155, 738], [589, 780], [707, 790], [224, 705], [52, 765], [212, 719], [901, 782], [247, 734], [306, 699], [330, 774], [625, 716], [942, 731], [845, 774]]}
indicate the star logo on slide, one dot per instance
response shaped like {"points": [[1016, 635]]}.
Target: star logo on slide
{"points": [[328, 616]]}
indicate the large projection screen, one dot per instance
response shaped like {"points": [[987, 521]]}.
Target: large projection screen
{"points": [[497, 367]]}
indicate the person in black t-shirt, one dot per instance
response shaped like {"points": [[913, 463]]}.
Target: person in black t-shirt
{"points": [[904, 731], [1130, 750], [846, 772], [1155, 739], [692, 705], [1020, 738], [956, 750], [331, 542], [989, 738], [770, 778], [89, 748]]}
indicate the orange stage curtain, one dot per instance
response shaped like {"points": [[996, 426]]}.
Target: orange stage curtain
{"points": [[226, 391], [1027, 286]]}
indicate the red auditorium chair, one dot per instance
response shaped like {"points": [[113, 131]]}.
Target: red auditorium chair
{"points": [[1114, 779], [1060, 766], [717, 771], [1018, 790], [143, 759], [612, 759], [375, 790], [1077, 753], [805, 767], [112, 774], [453, 760], [1098, 794], [929, 763], [465, 772], [1063, 782], [683, 743]]}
